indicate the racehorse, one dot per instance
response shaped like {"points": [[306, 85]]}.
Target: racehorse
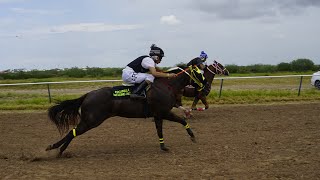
{"points": [[93, 108], [190, 91]]}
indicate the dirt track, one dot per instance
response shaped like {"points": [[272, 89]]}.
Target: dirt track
{"points": [[234, 142]]}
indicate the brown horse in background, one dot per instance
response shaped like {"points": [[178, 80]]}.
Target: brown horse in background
{"points": [[190, 91]]}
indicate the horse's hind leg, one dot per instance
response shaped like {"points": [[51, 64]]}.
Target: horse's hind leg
{"points": [[64, 142], [173, 117], [81, 128], [57, 144], [158, 121]]}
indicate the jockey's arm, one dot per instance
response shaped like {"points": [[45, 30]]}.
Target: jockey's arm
{"points": [[202, 66], [158, 69], [155, 73]]}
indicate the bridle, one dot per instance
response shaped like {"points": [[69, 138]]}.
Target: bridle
{"points": [[191, 75], [218, 69]]}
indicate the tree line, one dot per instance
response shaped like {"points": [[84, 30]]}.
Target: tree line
{"points": [[298, 65]]}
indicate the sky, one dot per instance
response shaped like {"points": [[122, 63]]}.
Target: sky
{"points": [[43, 34]]}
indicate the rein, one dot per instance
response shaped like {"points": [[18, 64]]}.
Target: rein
{"points": [[210, 69], [191, 75], [218, 69]]}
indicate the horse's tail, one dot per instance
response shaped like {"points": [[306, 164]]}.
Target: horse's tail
{"points": [[65, 113]]}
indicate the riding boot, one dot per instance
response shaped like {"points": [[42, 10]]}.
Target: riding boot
{"points": [[138, 93]]}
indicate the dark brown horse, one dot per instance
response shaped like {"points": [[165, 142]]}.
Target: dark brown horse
{"points": [[209, 73], [93, 108]]}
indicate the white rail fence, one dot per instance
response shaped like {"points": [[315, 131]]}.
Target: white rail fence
{"points": [[220, 90]]}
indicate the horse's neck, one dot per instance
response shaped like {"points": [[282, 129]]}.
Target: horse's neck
{"points": [[175, 84], [180, 82], [209, 76]]}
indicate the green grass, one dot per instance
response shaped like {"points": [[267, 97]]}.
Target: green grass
{"points": [[260, 96], [59, 86], [17, 101], [235, 91], [271, 74]]}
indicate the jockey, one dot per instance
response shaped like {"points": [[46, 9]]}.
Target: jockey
{"points": [[143, 70], [199, 61]]}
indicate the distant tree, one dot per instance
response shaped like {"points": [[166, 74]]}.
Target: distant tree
{"points": [[112, 72], [243, 69], [75, 72], [301, 65], [268, 68], [94, 71], [284, 66], [261, 68], [232, 68]]}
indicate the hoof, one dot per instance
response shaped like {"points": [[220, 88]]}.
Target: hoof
{"points": [[59, 155], [188, 114], [193, 139], [163, 148], [49, 148]]}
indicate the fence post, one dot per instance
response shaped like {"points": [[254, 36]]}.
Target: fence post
{"points": [[49, 94], [220, 88], [300, 85]]}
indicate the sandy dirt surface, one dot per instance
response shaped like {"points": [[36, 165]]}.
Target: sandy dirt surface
{"points": [[234, 142]]}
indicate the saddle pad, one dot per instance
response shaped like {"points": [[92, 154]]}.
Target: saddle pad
{"points": [[122, 91]]}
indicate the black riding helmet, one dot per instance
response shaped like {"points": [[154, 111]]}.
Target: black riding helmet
{"points": [[156, 51]]}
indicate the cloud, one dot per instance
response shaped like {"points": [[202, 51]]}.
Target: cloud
{"points": [[82, 27], [250, 9], [170, 20]]}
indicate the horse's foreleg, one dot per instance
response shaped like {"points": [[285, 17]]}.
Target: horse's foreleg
{"points": [[158, 121], [173, 117], [204, 101], [195, 102]]}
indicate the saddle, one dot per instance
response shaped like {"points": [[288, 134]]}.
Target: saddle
{"points": [[189, 91], [124, 92]]}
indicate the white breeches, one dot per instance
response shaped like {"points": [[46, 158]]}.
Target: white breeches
{"points": [[129, 76]]}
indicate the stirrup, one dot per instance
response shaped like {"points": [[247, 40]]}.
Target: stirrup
{"points": [[138, 96]]}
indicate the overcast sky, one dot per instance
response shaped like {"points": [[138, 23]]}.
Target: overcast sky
{"points": [[43, 34]]}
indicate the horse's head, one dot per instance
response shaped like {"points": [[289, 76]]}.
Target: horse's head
{"points": [[217, 68]]}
